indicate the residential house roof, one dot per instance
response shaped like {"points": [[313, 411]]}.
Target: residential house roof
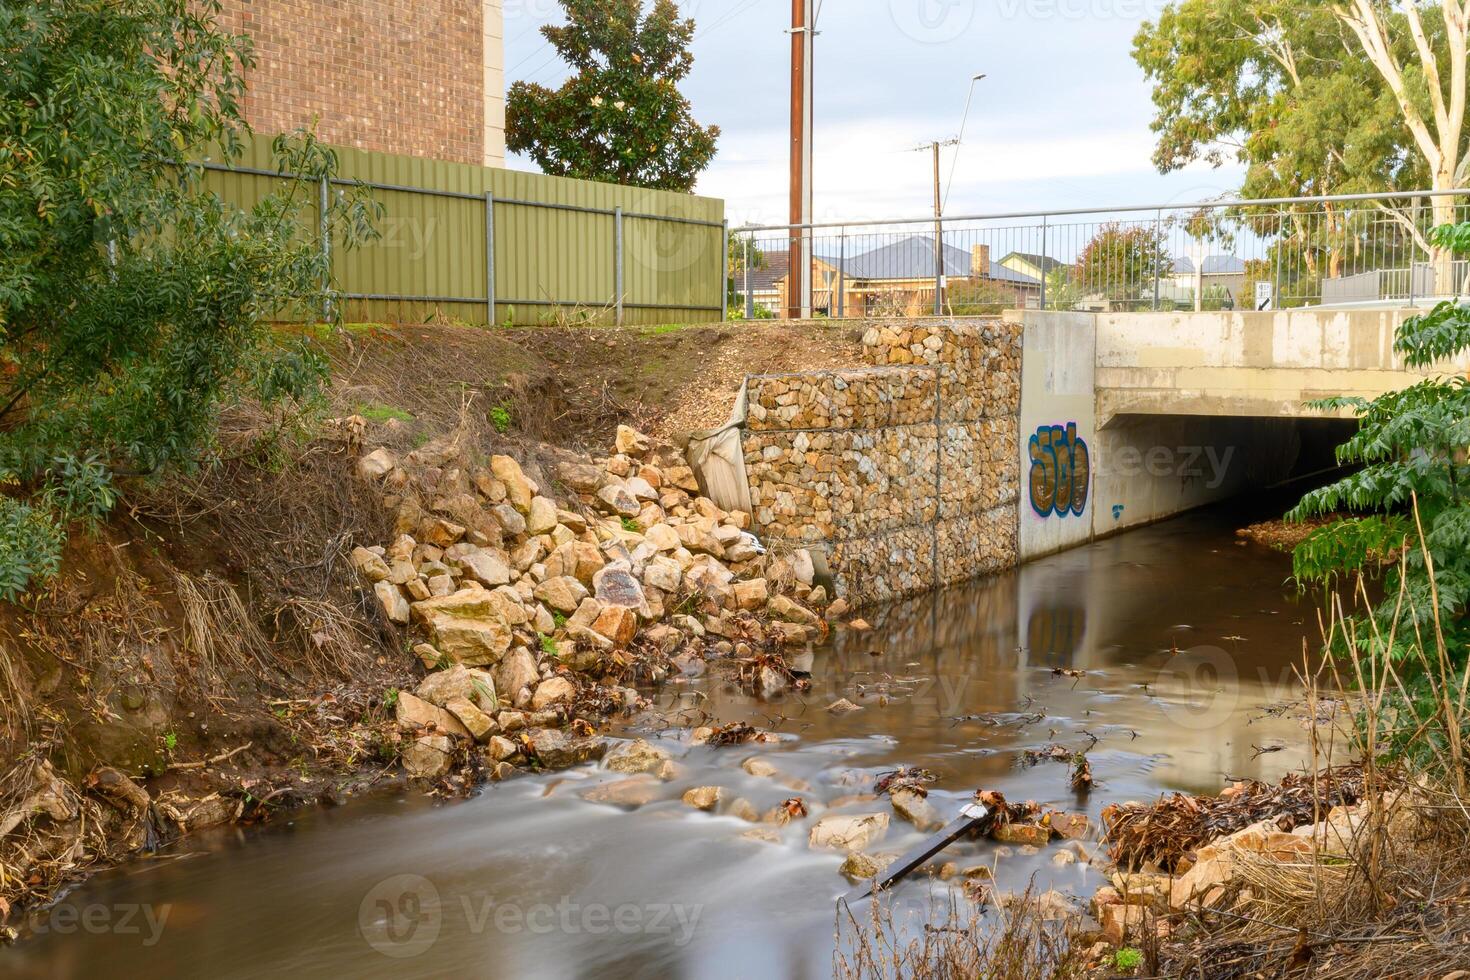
{"points": [[1043, 262], [772, 269], [1213, 265], [913, 258]]}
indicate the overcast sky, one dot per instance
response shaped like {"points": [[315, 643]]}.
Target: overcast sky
{"points": [[1061, 121]]}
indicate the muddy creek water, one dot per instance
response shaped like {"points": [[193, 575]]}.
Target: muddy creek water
{"points": [[1185, 639]]}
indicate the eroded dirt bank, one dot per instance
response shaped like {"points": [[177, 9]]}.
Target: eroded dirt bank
{"points": [[213, 654]]}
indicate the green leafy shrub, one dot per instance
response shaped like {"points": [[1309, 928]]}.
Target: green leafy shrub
{"points": [[30, 546], [1412, 471], [134, 303], [1127, 959], [500, 419]]}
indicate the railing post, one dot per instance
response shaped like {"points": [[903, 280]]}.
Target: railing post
{"points": [[726, 280], [1276, 265], [618, 262], [841, 271], [745, 263], [1412, 246], [938, 266], [324, 197], [1159, 256], [1043, 261], [490, 258]]}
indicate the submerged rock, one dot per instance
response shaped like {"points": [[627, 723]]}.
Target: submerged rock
{"points": [[635, 756], [556, 749], [703, 797], [847, 833]]}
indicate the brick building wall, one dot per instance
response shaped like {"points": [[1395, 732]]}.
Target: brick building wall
{"points": [[419, 77]]}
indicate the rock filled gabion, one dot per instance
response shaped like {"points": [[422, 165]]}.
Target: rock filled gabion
{"points": [[905, 473]]}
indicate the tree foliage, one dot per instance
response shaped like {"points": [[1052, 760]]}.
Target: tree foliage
{"points": [[1410, 450], [1121, 262], [1288, 89], [620, 117], [133, 302]]}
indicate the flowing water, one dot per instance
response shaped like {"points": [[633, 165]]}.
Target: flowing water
{"points": [[1187, 642]]}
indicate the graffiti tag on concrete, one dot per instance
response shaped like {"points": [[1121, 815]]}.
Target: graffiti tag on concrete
{"points": [[1061, 471]]}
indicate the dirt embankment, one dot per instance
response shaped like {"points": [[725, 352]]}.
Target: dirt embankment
{"points": [[572, 386], [211, 645]]}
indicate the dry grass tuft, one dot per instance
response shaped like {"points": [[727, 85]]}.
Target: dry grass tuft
{"points": [[219, 635], [1012, 941]]}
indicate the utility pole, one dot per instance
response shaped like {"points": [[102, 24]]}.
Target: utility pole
{"points": [[798, 277], [938, 239], [934, 146]]}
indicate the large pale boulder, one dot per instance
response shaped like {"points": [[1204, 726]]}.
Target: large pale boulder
{"points": [[562, 593], [376, 464], [428, 756], [616, 585], [847, 833], [480, 725], [518, 488], [391, 599], [914, 807], [615, 499], [792, 612], [662, 537], [369, 565], [414, 713], [635, 756], [663, 574], [581, 477], [472, 642], [554, 690], [630, 442], [457, 681], [557, 749], [579, 559], [511, 522], [640, 488], [486, 566], [468, 603], [516, 671], [751, 594], [541, 516]]}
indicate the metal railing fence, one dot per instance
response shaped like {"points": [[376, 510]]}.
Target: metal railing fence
{"points": [[1223, 255]]}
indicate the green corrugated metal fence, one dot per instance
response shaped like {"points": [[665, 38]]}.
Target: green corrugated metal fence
{"points": [[555, 242]]}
